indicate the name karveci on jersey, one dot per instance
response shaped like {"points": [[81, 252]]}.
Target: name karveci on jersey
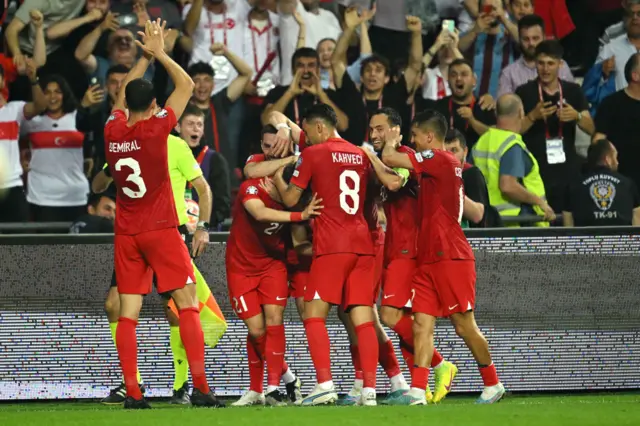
{"points": [[341, 157]]}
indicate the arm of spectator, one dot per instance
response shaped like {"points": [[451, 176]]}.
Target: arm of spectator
{"points": [[472, 7], [302, 30], [39, 44], [317, 90], [101, 182], [64, 28], [84, 51], [39, 103], [365, 42], [472, 210], [414, 67], [339, 56], [513, 190], [595, 88], [477, 126], [511, 27], [481, 26], [193, 17], [11, 34], [301, 241], [567, 219], [255, 170], [186, 43], [281, 104], [236, 88], [220, 188]]}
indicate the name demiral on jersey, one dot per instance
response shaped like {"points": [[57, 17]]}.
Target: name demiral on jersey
{"points": [[341, 157], [124, 146]]}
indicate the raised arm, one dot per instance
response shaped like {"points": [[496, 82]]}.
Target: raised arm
{"points": [[236, 88], [267, 168], [39, 44], [64, 28], [39, 103], [84, 51], [193, 17], [13, 29], [302, 30], [414, 67], [339, 57], [281, 104]]}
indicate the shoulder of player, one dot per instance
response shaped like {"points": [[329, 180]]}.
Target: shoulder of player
{"points": [[405, 150]]}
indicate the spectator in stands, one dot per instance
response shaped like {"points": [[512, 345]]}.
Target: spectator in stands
{"points": [[602, 196], [214, 166], [463, 112], [518, 9], [618, 120], [553, 107], [493, 34], [475, 187], [513, 178], [100, 217], [216, 108], [304, 91], [77, 29], [377, 89], [57, 188], [607, 75], [149, 10], [319, 24], [436, 80], [13, 115], [95, 108], [531, 30]]}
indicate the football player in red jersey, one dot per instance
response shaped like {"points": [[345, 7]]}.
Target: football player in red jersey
{"points": [[257, 284], [400, 200], [343, 265], [444, 282], [147, 239]]}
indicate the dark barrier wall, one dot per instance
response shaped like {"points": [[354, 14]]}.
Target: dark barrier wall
{"points": [[561, 312]]}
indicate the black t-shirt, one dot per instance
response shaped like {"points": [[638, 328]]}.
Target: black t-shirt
{"points": [[298, 107], [89, 224], [216, 130], [618, 117], [475, 187], [536, 136], [449, 108], [602, 198]]}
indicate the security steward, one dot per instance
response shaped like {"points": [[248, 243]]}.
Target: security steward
{"points": [[602, 196], [511, 171]]}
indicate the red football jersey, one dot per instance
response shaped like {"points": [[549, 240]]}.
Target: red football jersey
{"points": [[137, 158], [401, 209], [338, 173], [256, 158], [253, 246], [441, 202]]}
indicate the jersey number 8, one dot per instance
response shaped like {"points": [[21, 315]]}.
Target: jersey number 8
{"points": [[347, 191], [134, 177]]}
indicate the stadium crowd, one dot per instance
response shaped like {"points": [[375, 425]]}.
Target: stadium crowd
{"points": [[67, 61]]}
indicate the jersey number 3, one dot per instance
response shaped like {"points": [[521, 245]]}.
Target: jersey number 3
{"points": [[134, 177], [348, 191]]}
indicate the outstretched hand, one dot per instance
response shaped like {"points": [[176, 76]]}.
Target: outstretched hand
{"points": [[152, 38], [313, 208]]}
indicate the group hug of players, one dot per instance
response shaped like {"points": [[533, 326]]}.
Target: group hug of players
{"points": [[307, 229]]}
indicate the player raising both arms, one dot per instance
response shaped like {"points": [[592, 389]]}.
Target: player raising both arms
{"points": [[257, 284], [146, 236], [444, 282], [343, 267]]}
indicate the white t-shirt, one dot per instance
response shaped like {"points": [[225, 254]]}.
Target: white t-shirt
{"points": [[219, 28], [260, 38], [11, 118], [323, 25], [56, 176]]}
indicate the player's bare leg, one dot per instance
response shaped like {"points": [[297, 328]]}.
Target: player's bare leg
{"points": [[363, 319], [186, 301], [300, 307], [353, 396], [180, 394], [315, 316], [401, 321], [467, 329]]}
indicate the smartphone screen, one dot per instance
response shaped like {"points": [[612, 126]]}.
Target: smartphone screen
{"points": [[487, 9]]}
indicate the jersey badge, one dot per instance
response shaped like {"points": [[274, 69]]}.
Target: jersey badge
{"points": [[252, 190], [111, 118], [250, 158], [427, 154], [162, 113], [299, 162]]}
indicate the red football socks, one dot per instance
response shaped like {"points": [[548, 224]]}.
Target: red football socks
{"points": [[368, 346], [355, 359], [488, 373], [388, 360], [274, 354], [193, 340], [436, 359], [256, 363], [404, 329], [419, 377], [319, 348], [127, 346]]}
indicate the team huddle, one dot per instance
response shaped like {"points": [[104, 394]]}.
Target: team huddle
{"points": [[307, 227]]}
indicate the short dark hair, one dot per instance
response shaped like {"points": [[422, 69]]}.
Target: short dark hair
{"points": [[322, 112], [597, 151], [304, 52], [191, 109], [200, 68], [95, 199], [376, 59], [326, 39], [529, 21], [551, 48], [392, 116], [139, 95], [1, 71], [268, 129], [458, 62], [631, 66], [433, 121], [456, 135], [117, 69], [69, 101]]}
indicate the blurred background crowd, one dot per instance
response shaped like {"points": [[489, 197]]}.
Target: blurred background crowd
{"points": [[574, 65]]}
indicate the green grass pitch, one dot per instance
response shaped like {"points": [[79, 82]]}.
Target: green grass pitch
{"points": [[582, 410]]}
